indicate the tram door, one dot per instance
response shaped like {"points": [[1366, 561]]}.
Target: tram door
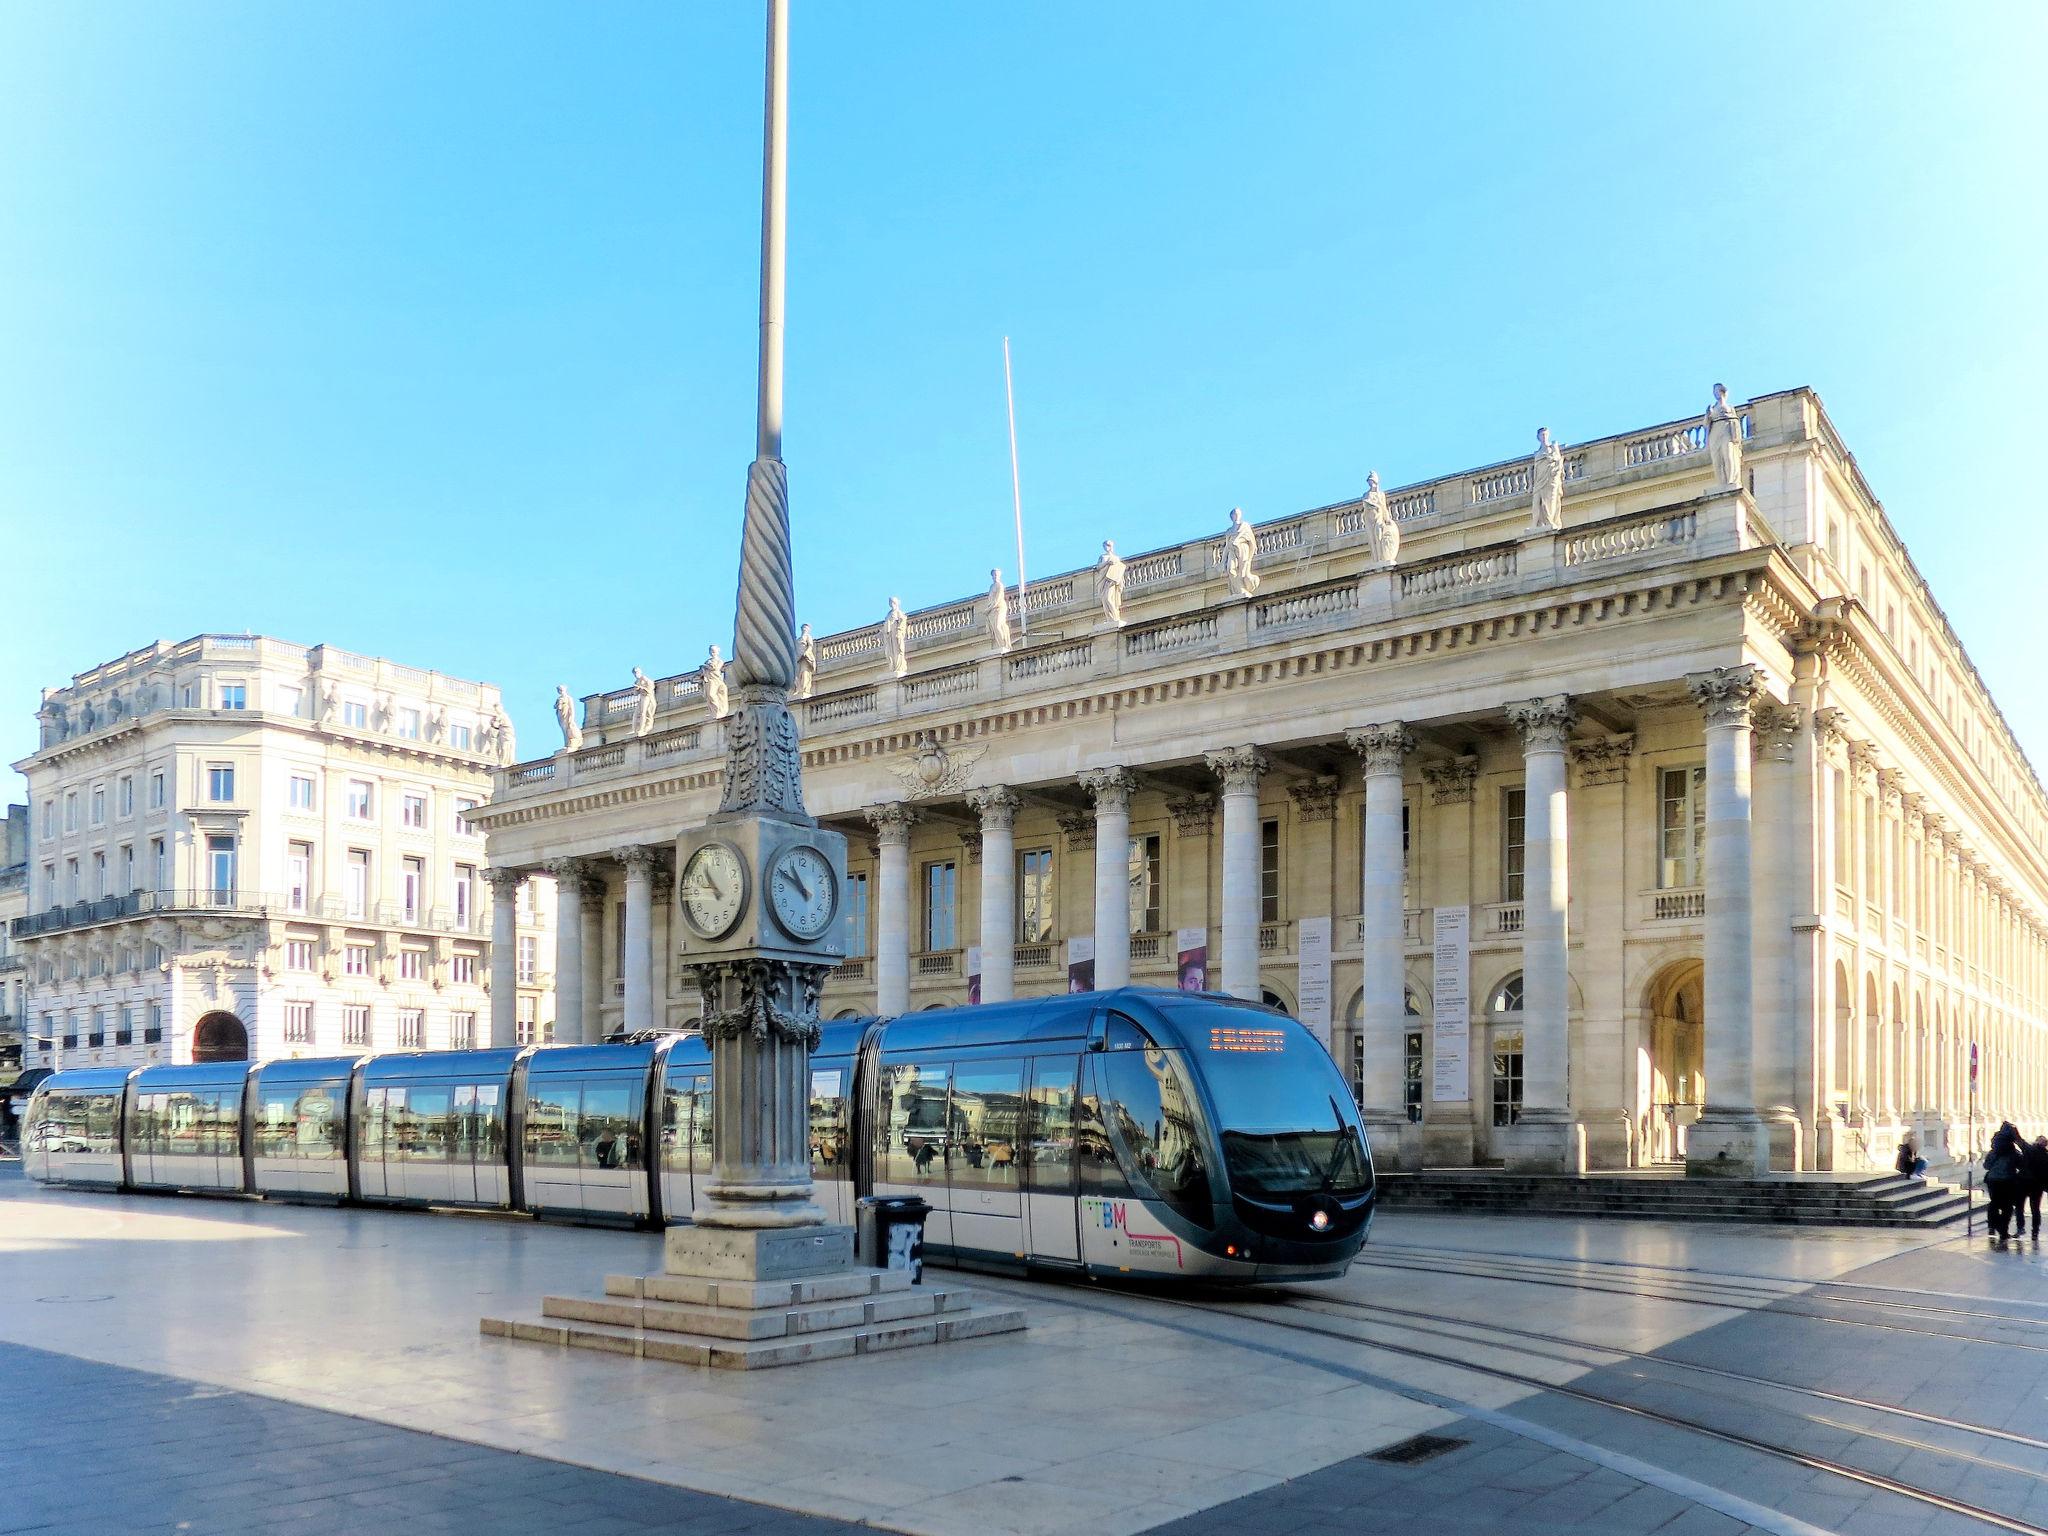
{"points": [[986, 1172], [370, 1141], [479, 1171], [1050, 1209], [685, 1141]]}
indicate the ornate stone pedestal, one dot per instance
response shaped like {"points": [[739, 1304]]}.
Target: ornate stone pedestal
{"points": [[1724, 1145], [749, 1298]]}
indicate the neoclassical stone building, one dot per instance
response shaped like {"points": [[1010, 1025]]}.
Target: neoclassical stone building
{"points": [[1630, 803], [243, 847]]}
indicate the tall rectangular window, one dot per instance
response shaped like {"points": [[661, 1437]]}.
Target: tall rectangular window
{"points": [[412, 965], [126, 879], [413, 886], [70, 810], [355, 960], [358, 803], [220, 870], [528, 958], [298, 875], [356, 890], [412, 812], [1514, 812], [298, 1023], [1681, 827], [49, 820], [355, 1024], [462, 970], [126, 798], [412, 1029], [465, 894], [298, 954], [1269, 871], [941, 886], [301, 797], [458, 737], [99, 876], [156, 789], [234, 695], [524, 1019], [124, 1025], [355, 713], [290, 700], [857, 914], [159, 864], [1143, 873], [220, 782], [462, 1032], [1034, 896], [462, 809], [409, 724], [99, 805], [153, 1031]]}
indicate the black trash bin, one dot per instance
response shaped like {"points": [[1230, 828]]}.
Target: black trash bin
{"points": [[891, 1233]]}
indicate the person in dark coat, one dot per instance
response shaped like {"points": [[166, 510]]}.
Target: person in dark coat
{"points": [[2034, 1159], [2004, 1175], [1909, 1161]]}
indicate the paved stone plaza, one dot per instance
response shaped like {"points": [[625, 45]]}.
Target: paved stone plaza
{"points": [[225, 1365]]}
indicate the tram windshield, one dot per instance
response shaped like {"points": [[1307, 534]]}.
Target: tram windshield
{"points": [[1287, 1126]]}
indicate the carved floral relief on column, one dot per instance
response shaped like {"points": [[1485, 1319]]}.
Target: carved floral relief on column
{"points": [[1382, 746], [1193, 815], [1775, 730], [505, 883], [1314, 799], [1604, 759], [1451, 782], [1725, 695], [1240, 768], [996, 806], [1545, 723], [892, 822], [970, 845], [1109, 788], [1078, 828]]}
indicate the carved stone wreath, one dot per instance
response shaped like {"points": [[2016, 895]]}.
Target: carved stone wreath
{"points": [[760, 1014]]}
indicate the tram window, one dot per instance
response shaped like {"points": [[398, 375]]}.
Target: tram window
{"points": [[916, 1144], [185, 1131], [370, 1136], [1154, 1114], [685, 1108], [988, 1101], [317, 1124], [99, 1121], [1094, 1157], [427, 1131], [145, 1122], [277, 1123], [487, 1138], [1052, 1126], [551, 1123], [831, 1124], [610, 1129]]}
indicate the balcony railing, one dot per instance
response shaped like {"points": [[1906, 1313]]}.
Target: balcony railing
{"points": [[241, 903], [1671, 906], [937, 962]]}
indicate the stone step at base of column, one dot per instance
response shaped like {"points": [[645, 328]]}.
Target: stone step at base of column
{"points": [[693, 1290], [962, 1323], [757, 1322]]}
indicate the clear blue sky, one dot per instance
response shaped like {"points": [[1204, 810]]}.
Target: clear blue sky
{"points": [[428, 329]]}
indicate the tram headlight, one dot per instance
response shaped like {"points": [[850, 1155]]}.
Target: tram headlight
{"points": [[1319, 1222]]}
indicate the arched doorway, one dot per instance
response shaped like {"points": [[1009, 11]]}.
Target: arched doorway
{"points": [[219, 1037], [1678, 1077]]}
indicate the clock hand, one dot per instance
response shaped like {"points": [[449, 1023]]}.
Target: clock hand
{"points": [[717, 891], [796, 878]]}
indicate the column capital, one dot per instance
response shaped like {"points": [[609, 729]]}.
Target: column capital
{"points": [[575, 878], [892, 822], [1891, 789], [1831, 726], [1545, 723], [1193, 815], [1725, 694], [1110, 788], [638, 858], [1776, 729], [996, 806], [1240, 768], [1314, 799], [1079, 829], [970, 845], [505, 883], [1603, 759], [1382, 746], [1451, 782]]}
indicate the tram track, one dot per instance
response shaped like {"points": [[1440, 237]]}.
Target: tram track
{"points": [[1863, 1476]]}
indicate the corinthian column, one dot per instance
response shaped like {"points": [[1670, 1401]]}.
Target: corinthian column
{"points": [[1112, 788], [997, 808], [1543, 1137], [505, 885], [892, 824], [636, 947], [1239, 769], [1381, 913], [568, 877]]}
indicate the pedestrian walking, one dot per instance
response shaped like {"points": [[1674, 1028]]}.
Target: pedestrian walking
{"points": [[2004, 1171], [2034, 1160]]}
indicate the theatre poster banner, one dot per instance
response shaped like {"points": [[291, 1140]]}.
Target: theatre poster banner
{"points": [[1081, 963], [1312, 940], [1191, 947], [1451, 1017]]}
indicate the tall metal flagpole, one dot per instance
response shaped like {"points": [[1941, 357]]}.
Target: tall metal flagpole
{"points": [[1016, 493]]}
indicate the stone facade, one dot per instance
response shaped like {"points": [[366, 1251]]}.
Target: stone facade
{"points": [[243, 845], [13, 903], [1751, 866]]}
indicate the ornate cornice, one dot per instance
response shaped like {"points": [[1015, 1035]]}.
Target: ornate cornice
{"points": [[1725, 695], [1603, 759], [1110, 788], [1451, 782], [1240, 768], [1314, 799], [1383, 746], [1545, 724]]}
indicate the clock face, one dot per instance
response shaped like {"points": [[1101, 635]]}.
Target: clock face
{"points": [[714, 890], [802, 892]]}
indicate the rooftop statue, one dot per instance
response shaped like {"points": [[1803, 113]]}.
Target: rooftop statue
{"points": [[711, 677], [1546, 484], [806, 665], [501, 733], [565, 717], [998, 612], [1380, 526], [896, 639], [1240, 553], [643, 703], [1109, 584], [1724, 438]]}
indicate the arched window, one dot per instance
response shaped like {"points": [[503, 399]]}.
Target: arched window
{"points": [[1507, 997], [1504, 1009]]}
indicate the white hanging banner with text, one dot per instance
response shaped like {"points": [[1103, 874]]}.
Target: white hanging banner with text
{"points": [[1451, 986], [1312, 944]]}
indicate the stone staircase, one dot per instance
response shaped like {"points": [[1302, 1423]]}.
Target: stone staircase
{"points": [[749, 1324], [1810, 1199]]}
